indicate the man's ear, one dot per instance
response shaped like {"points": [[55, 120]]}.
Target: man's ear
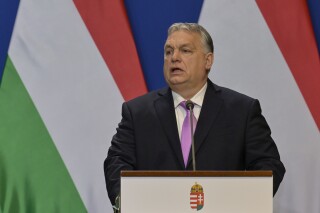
{"points": [[209, 60]]}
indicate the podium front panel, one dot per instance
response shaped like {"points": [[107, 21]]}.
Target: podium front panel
{"points": [[221, 194]]}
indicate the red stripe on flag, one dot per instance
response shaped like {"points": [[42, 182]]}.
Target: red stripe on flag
{"points": [[290, 24], [108, 25]]}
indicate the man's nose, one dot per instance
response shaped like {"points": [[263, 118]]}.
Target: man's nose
{"points": [[175, 56]]}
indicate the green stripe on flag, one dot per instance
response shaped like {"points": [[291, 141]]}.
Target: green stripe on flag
{"points": [[33, 177]]}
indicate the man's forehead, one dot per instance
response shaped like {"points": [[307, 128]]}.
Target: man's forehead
{"points": [[169, 44], [182, 38]]}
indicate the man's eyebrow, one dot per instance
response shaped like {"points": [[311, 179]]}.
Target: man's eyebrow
{"points": [[167, 46], [181, 46], [186, 45]]}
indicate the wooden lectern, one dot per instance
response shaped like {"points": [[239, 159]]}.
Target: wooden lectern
{"points": [[196, 191]]}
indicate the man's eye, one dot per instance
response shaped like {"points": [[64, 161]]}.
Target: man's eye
{"points": [[186, 51], [168, 52]]}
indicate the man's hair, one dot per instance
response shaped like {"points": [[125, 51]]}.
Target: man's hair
{"points": [[196, 28]]}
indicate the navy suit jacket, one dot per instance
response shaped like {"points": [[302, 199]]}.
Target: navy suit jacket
{"points": [[231, 134]]}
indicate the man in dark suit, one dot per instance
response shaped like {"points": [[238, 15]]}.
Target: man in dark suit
{"points": [[231, 133]]}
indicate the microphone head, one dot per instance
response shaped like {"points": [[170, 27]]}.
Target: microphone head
{"points": [[189, 105]]}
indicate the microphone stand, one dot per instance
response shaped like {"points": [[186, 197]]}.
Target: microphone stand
{"points": [[190, 106]]}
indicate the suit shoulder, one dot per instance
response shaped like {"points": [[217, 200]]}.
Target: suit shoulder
{"points": [[233, 97], [146, 99], [234, 94]]}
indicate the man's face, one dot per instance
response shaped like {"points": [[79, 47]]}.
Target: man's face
{"points": [[186, 64]]}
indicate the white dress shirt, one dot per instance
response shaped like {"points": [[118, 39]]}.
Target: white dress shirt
{"points": [[197, 99]]}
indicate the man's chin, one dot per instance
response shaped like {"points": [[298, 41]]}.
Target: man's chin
{"points": [[176, 80], [177, 85]]}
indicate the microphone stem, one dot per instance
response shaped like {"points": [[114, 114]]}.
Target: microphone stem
{"points": [[192, 140]]}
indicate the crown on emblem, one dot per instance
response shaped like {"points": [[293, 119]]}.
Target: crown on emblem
{"points": [[196, 188]]}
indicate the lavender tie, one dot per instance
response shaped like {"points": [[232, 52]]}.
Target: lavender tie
{"points": [[186, 133]]}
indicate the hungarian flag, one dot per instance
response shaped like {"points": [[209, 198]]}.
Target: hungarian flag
{"points": [[67, 66]]}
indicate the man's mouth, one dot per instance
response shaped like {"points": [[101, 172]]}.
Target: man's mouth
{"points": [[175, 70]]}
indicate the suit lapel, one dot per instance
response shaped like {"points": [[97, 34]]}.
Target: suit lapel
{"points": [[165, 110], [210, 109]]}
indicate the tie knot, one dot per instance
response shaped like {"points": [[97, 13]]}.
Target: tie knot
{"points": [[186, 106], [183, 104]]}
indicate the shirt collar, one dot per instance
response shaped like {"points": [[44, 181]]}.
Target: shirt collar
{"points": [[197, 98]]}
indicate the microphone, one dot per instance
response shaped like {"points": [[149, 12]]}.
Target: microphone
{"points": [[190, 106]]}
